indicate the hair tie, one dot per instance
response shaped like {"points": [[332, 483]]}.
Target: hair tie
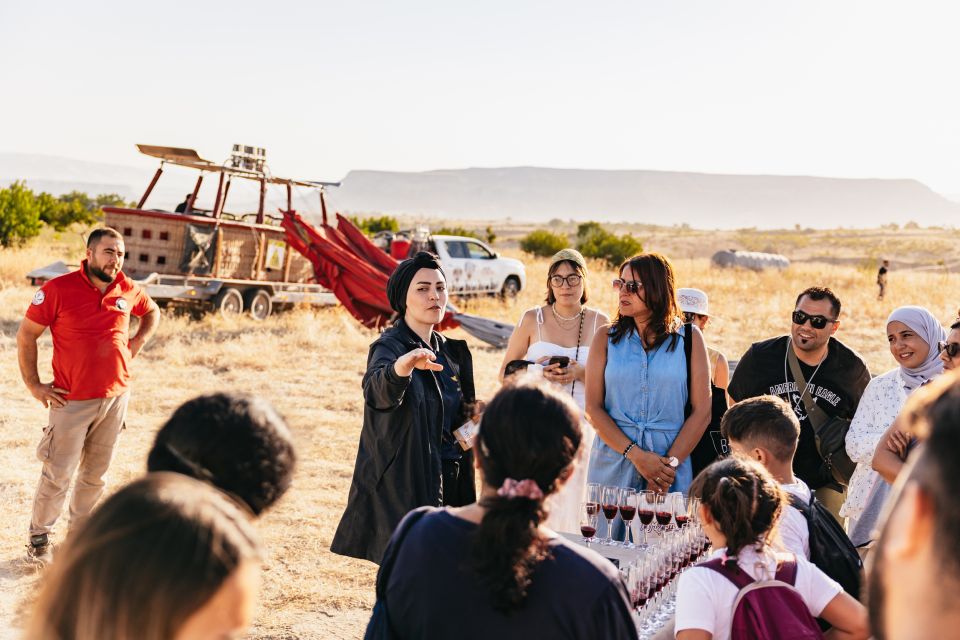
{"points": [[526, 488]]}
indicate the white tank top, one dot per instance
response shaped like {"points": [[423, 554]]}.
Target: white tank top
{"points": [[541, 348]]}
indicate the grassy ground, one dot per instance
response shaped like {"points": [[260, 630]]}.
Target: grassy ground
{"points": [[309, 363]]}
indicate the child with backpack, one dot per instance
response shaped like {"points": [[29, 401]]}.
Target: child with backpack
{"points": [[766, 429], [749, 589]]}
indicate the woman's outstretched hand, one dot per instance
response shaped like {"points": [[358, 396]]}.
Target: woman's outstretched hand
{"points": [[420, 358]]}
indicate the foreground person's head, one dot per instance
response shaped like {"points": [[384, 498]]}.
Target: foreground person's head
{"points": [[165, 558], [236, 442], [914, 576], [417, 290], [528, 441]]}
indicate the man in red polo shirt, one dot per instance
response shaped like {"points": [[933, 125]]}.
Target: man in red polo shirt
{"points": [[88, 312]]}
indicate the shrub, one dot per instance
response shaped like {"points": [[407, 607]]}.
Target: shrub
{"points": [[376, 224], [544, 243], [457, 231], [593, 241]]}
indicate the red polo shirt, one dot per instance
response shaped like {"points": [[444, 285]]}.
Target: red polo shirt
{"points": [[91, 331]]}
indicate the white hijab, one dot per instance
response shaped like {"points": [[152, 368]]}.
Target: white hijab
{"points": [[928, 328]]}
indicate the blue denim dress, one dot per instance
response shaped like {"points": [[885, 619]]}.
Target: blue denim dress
{"points": [[645, 394]]}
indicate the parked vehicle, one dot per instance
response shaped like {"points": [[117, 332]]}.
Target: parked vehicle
{"points": [[472, 267], [210, 259]]}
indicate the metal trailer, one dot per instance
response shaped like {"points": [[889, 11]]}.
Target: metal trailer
{"points": [[211, 259]]}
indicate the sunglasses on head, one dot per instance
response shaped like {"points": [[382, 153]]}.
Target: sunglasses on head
{"points": [[817, 322], [632, 286], [952, 349]]}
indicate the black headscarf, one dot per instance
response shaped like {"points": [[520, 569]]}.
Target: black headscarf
{"points": [[400, 280]]}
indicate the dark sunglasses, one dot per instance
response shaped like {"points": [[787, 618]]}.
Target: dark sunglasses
{"points": [[952, 349], [632, 286], [573, 280], [817, 322]]}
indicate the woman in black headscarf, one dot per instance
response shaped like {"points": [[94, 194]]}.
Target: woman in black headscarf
{"points": [[418, 390]]}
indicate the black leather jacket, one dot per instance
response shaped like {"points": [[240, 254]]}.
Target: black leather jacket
{"points": [[398, 465]]}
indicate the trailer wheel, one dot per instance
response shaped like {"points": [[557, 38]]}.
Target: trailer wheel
{"points": [[257, 302], [228, 302]]}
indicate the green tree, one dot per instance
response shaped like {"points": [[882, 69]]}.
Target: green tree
{"points": [[543, 243], [491, 235], [19, 215]]}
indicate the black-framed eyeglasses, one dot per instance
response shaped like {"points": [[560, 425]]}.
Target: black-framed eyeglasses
{"points": [[572, 280], [632, 286], [952, 349], [817, 322]]}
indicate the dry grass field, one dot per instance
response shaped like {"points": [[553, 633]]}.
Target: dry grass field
{"points": [[309, 364]]}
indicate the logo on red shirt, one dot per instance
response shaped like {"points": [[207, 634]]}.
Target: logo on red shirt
{"points": [[38, 298]]}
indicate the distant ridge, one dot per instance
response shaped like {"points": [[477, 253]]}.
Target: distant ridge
{"points": [[540, 194], [656, 197]]}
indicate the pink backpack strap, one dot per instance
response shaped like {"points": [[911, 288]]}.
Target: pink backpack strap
{"points": [[736, 575]]}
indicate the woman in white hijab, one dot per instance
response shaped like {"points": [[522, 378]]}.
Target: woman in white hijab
{"points": [[913, 334]]}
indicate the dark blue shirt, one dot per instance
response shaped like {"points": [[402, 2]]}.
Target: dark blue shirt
{"points": [[431, 592]]}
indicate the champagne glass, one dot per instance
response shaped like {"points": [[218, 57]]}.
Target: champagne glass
{"points": [[588, 521], [608, 502], [628, 509], [645, 512]]}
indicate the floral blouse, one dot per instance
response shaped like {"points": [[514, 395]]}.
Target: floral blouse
{"points": [[882, 400]]}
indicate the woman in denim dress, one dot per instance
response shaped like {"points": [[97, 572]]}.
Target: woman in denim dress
{"points": [[637, 385]]}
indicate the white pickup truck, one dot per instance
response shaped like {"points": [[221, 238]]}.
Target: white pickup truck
{"points": [[472, 267]]}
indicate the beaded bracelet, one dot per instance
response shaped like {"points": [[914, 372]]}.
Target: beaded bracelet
{"points": [[627, 450]]}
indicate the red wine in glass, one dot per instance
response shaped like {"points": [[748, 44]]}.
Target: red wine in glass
{"points": [[627, 512], [610, 511], [593, 508], [682, 520], [646, 517], [587, 531], [663, 518]]}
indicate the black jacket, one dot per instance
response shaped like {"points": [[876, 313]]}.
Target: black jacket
{"points": [[398, 465]]}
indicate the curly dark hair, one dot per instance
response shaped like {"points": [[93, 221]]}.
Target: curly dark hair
{"points": [[236, 442]]}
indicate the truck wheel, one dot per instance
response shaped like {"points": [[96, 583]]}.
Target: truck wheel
{"points": [[228, 302], [258, 304], [511, 287]]}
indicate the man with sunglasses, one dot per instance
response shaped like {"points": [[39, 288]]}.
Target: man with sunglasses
{"points": [[836, 376], [950, 348]]}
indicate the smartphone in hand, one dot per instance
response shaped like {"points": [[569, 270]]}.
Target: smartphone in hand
{"points": [[563, 361]]}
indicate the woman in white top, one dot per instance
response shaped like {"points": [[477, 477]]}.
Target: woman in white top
{"points": [[740, 503], [562, 327], [913, 334]]}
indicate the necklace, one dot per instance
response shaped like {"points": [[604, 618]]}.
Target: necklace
{"points": [[786, 354], [560, 318], [577, 354]]}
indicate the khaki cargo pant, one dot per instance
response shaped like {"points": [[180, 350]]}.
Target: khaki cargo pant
{"points": [[81, 433]]}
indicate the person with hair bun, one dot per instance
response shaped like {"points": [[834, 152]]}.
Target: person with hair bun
{"points": [[417, 390], [165, 558], [740, 504], [491, 569]]}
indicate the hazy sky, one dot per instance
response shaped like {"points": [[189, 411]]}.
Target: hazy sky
{"points": [[850, 89]]}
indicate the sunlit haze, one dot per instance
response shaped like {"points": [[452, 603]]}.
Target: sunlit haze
{"points": [[846, 89]]}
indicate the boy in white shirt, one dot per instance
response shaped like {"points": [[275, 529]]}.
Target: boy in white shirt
{"points": [[766, 429]]}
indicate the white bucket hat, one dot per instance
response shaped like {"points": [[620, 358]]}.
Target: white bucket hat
{"points": [[693, 301]]}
